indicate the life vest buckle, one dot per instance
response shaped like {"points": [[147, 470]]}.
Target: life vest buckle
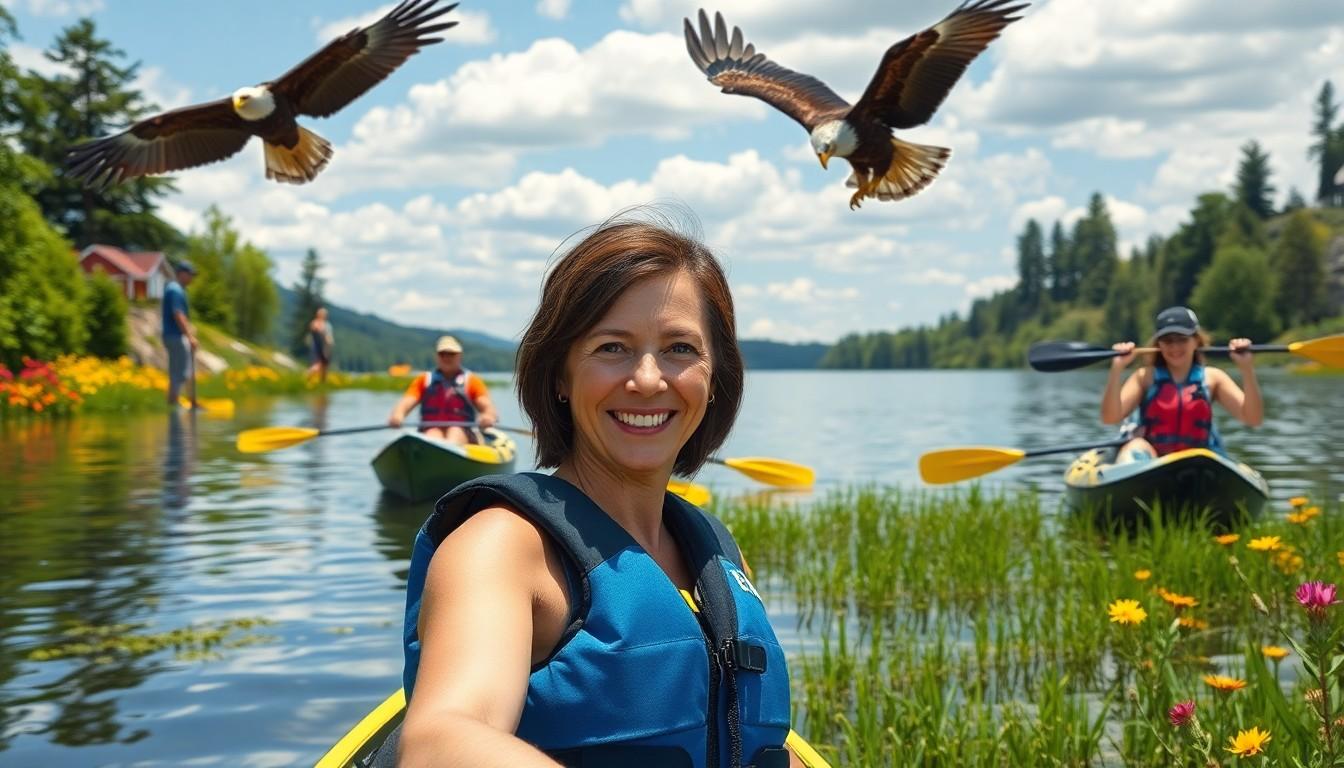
{"points": [[740, 654]]}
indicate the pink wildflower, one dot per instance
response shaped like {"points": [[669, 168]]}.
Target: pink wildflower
{"points": [[1316, 596], [1181, 712]]}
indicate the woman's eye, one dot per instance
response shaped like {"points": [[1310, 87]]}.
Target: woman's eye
{"points": [[611, 347], [682, 348]]}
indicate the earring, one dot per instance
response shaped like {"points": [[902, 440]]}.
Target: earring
{"points": [[562, 398], [711, 399]]}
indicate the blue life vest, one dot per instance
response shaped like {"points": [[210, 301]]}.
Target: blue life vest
{"points": [[1178, 417], [444, 400], [637, 678]]}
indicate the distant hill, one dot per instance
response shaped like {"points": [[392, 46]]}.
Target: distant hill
{"points": [[366, 342], [762, 355]]}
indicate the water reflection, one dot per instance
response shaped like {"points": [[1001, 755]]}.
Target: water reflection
{"points": [[179, 459]]}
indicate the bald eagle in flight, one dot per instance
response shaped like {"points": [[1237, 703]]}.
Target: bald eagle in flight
{"points": [[914, 77], [320, 86]]}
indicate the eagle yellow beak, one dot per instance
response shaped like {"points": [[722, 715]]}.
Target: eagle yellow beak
{"points": [[824, 157], [237, 102]]}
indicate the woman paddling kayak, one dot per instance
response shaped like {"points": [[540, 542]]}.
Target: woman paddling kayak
{"points": [[1172, 396]]}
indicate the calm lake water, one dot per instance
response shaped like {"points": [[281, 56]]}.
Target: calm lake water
{"points": [[156, 523]]}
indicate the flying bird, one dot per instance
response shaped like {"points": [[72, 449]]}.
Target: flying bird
{"points": [[320, 86], [913, 79]]}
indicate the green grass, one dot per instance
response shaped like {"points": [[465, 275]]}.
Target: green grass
{"points": [[964, 628]]}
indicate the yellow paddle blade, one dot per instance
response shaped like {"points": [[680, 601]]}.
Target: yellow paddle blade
{"points": [[696, 494], [263, 439], [952, 464], [772, 471], [485, 453], [810, 757], [212, 406], [1328, 351]]}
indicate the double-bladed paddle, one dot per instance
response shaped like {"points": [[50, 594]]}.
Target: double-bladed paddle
{"points": [[948, 465], [770, 471], [1054, 356]]}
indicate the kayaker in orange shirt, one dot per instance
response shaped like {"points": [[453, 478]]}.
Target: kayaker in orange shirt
{"points": [[448, 393]]}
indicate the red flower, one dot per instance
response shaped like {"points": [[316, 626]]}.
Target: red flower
{"points": [[1181, 712]]}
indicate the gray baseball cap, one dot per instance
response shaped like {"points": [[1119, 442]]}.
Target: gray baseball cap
{"points": [[1176, 320]]}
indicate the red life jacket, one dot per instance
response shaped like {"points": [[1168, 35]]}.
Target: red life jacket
{"points": [[1178, 417], [444, 400]]}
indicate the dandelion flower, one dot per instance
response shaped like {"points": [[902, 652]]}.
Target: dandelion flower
{"points": [[1265, 544], [1248, 743], [1190, 622], [1143, 574], [1274, 652], [1127, 612], [1298, 501], [1224, 683], [1227, 539], [1181, 712]]}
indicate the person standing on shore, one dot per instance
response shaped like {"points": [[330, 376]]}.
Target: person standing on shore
{"points": [[179, 335], [321, 340]]}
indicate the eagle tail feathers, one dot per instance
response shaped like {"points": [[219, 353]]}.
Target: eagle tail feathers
{"points": [[913, 167], [300, 164]]}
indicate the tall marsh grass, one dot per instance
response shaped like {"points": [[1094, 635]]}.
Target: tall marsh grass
{"points": [[970, 628]]}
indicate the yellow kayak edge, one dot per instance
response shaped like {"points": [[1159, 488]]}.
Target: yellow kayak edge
{"points": [[357, 742]]}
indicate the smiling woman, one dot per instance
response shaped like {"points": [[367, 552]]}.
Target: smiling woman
{"points": [[589, 617]]}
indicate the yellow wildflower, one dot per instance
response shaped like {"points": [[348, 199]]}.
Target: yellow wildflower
{"points": [[1175, 600], [1224, 683], [1127, 612], [1143, 574], [1248, 743], [1189, 622], [1298, 501], [1227, 539], [1274, 652], [1265, 544]]}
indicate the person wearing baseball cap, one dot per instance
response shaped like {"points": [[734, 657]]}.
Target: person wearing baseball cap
{"points": [[448, 393], [179, 335], [1171, 397]]}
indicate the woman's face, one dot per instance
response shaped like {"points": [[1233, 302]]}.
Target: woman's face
{"points": [[1176, 347], [638, 382]]}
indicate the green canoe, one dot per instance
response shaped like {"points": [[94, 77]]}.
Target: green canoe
{"points": [[1188, 483], [362, 746], [417, 467]]}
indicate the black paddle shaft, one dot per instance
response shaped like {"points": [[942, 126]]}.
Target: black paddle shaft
{"points": [[1055, 356], [1076, 447]]}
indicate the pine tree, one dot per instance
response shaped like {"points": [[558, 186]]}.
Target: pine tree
{"points": [[91, 98], [1328, 147], [1031, 266], [1295, 201], [1253, 188], [1062, 285], [1094, 248], [307, 299], [1299, 260]]}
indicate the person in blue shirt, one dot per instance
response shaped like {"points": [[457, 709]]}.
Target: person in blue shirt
{"points": [[179, 336]]}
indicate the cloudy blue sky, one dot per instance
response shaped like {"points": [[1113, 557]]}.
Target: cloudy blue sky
{"points": [[454, 180]]}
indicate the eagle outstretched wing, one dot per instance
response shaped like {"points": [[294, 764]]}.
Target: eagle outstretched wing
{"points": [[738, 68], [181, 138], [917, 73], [361, 58]]}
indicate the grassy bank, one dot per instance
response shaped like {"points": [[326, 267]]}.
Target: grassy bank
{"points": [[966, 629], [71, 384]]}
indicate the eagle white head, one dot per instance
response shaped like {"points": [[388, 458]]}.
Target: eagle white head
{"points": [[834, 138], [253, 102]]}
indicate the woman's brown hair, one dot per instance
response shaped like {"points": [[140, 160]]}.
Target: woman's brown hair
{"points": [[579, 290]]}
